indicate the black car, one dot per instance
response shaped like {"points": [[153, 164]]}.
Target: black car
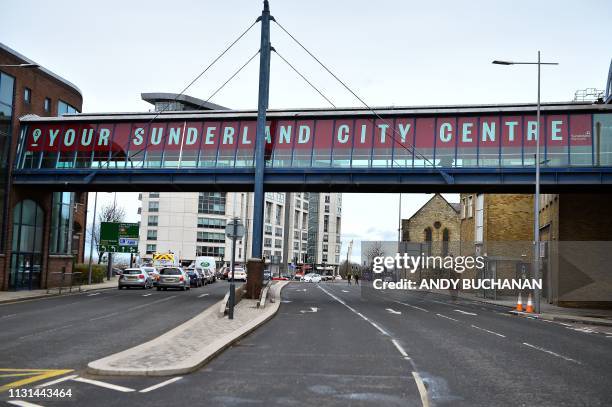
{"points": [[195, 278]]}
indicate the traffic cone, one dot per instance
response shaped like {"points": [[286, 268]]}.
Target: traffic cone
{"points": [[519, 303], [529, 304]]}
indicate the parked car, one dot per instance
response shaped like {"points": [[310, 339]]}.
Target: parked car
{"points": [[298, 276], [224, 272], [208, 276], [152, 272], [135, 277], [195, 278], [327, 277], [312, 278], [173, 277], [239, 273]]}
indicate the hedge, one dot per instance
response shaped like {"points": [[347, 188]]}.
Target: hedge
{"points": [[98, 273]]}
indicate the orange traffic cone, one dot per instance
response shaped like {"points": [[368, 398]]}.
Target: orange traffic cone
{"points": [[519, 303], [529, 304]]}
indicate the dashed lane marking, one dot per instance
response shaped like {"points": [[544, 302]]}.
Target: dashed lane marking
{"points": [[486, 330], [146, 295], [400, 349], [444, 316], [57, 381], [35, 375], [92, 294], [550, 352], [203, 295], [162, 384], [103, 384], [411, 306], [465, 312], [392, 311]]}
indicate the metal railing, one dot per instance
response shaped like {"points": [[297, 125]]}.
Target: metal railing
{"points": [[67, 281]]}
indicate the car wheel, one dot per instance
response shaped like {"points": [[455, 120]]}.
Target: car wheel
{"points": [[158, 288]]}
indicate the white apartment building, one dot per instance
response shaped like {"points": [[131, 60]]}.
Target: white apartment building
{"points": [[193, 224]]}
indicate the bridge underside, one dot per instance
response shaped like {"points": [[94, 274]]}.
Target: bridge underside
{"points": [[519, 180]]}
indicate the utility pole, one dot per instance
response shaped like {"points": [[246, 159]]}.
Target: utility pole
{"points": [[260, 142]]}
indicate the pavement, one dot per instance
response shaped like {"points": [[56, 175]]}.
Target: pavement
{"points": [[191, 344], [590, 316], [332, 344], [25, 295]]}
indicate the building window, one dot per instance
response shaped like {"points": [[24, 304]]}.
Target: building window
{"points": [[279, 214], [470, 207], [324, 257], [211, 237], [427, 234], [326, 208], [479, 221], [152, 220], [268, 242], [278, 232], [326, 223], [327, 200], [47, 105], [463, 207], [27, 95], [151, 248], [296, 245], [153, 206], [151, 234], [445, 239], [65, 108], [154, 195], [296, 234], [211, 202], [61, 222], [325, 247], [211, 223], [278, 243], [211, 251], [268, 229]]}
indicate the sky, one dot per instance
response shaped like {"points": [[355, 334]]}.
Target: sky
{"points": [[391, 53]]}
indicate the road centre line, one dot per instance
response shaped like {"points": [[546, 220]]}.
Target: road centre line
{"points": [[486, 330], [46, 331], [465, 312], [411, 306], [103, 384], [203, 295], [57, 381], [551, 353], [162, 384], [417, 378], [444, 316]]}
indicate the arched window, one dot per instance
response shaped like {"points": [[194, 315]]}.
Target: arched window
{"points": [[445, 239], [28, 220]]}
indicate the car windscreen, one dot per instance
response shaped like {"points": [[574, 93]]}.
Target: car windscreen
{"points": [[149, 269], [132, 271], [170, 272]]}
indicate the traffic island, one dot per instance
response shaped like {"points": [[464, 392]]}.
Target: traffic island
{"points": [[192, 344]]}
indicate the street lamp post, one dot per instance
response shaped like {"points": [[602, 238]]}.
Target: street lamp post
{"points": [[536, 203]]}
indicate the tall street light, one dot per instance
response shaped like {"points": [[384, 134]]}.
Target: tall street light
{"points": [[536, 203]]}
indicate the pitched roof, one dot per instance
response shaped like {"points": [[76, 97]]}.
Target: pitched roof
{"points": [[454, 206]]}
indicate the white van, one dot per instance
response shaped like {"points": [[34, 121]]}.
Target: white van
{"points": [[206, 263]]}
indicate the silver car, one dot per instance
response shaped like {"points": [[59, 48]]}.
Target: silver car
{"points": [[172, 277], [135, 277]]}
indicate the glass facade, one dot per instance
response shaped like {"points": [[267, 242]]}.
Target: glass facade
{"points": [[26, 246], [7, 91], [492, 141], [61, 223]]}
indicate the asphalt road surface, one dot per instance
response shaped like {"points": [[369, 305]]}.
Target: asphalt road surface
{"points": [[336, 345]]}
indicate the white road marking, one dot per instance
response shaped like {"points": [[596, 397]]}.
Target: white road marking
{"points": [[382, 331], [203, 295], [444, 316], [46, 332], [103, 384], [400, 349], [551, 353], [465, 312], [486, 330], [585, 330], [285, 301], [392, 311], [302, 290], [8, 316], [162, 384], [312, 309], [146, 295], [345, 291], [56, 381], [412, 306], [91, 295], [422, 389], [22, 403], [564, 324]]}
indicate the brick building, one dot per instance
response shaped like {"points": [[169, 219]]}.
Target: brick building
{"points": [[435, 224], [42, 233]]}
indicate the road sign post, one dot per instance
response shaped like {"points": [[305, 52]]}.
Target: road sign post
{"points": [[234, 230]]}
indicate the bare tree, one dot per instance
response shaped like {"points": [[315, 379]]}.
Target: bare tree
{"points": [[108, 213], [373, 251]]}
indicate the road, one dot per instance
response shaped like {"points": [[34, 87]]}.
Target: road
{"points": [[335, 345]]}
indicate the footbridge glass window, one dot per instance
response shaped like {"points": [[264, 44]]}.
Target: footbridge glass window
{"points": [[603, 140], [61, 222]]}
